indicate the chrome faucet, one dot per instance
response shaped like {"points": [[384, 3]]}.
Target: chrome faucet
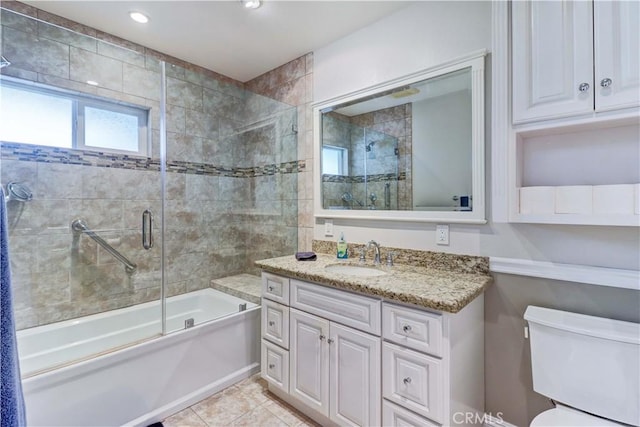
{"points": [[376, 245]]}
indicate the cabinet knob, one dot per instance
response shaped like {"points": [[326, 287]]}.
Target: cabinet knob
{"points": [[606, 82], [322, 337], [583, 87], [330, 341], [407, 380], [406, 328], [271, 366], [272, 323], [270, 288]]}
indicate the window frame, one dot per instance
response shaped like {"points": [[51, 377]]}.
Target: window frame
{"points": [[80, 101]]}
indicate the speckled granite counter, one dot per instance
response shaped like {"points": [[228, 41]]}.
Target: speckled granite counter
{"points": [[439, 289]]}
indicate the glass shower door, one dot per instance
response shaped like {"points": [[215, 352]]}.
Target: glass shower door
{"points": [[80, 133]]}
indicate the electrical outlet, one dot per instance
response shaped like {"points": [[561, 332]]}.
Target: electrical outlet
{"points": [[442, 234], [328, 227]]}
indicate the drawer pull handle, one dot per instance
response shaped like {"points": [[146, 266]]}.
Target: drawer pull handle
{"points": [[407, 380], [272, 323], [406, 328], [322, 337], [271, 366]]}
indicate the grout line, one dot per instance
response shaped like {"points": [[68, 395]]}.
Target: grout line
{"points": [[199, 417]]}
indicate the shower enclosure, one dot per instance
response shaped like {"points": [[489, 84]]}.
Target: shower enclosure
{"points": [[359, 164], [148, 180]]}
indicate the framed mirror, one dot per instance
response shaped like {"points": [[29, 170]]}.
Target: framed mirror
{"points": [[410, 149]]}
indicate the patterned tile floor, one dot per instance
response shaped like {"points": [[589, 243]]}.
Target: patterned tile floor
{"points": [[247, 403]]}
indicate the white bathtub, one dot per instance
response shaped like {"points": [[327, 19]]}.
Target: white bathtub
{"points": [[144, 383]]}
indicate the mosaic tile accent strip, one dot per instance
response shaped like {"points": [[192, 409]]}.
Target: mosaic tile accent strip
{"points": [[34, 153], [437, 260], [359, 179]]}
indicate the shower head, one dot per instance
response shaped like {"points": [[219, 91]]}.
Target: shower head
{"points": [[18, 191], [4, 62]]}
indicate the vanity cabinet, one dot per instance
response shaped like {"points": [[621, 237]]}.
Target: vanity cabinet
{"points": [[358, 360], [335, 370], [574, 57]]}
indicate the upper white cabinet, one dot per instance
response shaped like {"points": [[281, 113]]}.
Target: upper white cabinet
{"points": [[617, 53], [573, 58]]}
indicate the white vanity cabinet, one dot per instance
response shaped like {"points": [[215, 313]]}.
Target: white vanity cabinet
{"points": [[356, 360], [574, 57], [335, 370]]}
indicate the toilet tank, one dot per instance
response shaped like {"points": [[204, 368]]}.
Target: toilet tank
{"points": [[587, 362]]}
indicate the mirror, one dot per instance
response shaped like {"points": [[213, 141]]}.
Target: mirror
{"points": [[411, 149]]}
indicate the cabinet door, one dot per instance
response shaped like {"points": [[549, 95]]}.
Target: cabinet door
{"points": [[413, 380], [309, 360], [275, 365], [552, 58], [275, 323], [355, 384], [617, 52]]}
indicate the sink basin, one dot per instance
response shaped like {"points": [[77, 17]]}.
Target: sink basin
{"points": [[355, 270]]}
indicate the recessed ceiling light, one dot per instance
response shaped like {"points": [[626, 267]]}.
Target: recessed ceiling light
{"points": [[251, 4], [139, 17], [92, 83]]}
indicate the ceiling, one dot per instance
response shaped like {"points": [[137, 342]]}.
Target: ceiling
{"points": [[223, 36]]}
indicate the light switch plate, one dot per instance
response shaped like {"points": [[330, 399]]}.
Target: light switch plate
{"points": [[442, 234], [328, 227]]}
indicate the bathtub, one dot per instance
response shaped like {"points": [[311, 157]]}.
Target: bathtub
{"points": [[140, 384]]}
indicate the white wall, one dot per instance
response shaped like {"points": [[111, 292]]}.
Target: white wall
{"points": [[420, 36], [441, 149]]}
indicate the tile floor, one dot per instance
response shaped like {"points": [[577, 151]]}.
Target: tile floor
{"points": [[247, 403]]}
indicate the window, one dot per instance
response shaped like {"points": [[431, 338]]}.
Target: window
{"points": [[33, 114], [335, 160]]}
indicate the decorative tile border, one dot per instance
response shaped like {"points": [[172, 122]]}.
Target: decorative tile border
{"points": [[41, 154], [358, 179]]}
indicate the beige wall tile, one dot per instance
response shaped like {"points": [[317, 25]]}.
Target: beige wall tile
{"points": [[85, 66]]}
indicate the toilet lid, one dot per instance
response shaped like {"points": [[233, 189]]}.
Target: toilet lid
{"points": [[563, 416]]}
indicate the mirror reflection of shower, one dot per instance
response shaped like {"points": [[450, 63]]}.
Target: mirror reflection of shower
{"points": [[348, 198], [369, 149]]}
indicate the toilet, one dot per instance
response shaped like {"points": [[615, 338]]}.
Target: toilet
{"points": [[589, 366]]}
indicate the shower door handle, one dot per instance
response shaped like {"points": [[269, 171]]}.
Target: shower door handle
{"points": [[147, 229]]}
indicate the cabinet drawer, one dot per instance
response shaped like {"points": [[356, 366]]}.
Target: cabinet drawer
{"points": [[275, 323], [275, 365], [413, 380], [275, 288], [396, 416], [357, 311], [417, 329]]}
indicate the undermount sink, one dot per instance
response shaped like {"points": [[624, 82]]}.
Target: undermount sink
{"points": [[355, 270]]}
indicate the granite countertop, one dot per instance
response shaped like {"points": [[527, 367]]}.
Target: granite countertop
{"points": [[438, 289]]}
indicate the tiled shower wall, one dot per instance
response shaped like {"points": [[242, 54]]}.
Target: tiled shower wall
{"points": [[292, 83], [232, 175]]}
